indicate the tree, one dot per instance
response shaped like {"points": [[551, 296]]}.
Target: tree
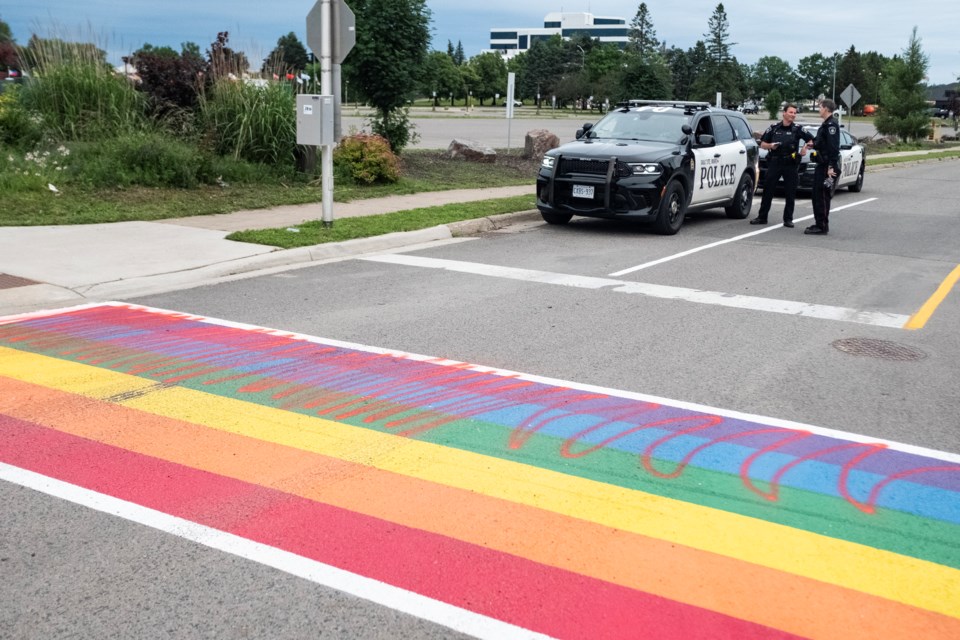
{"points": [[223, 60], [440, 75], [814, 74], [288, 56], [392, 40], [682, 71], [769, 73], [491, 72], [720, 71], [718, 36], [9, 59], [904, 111], [645, 80], [172, 80], [544, 67], [642, 36], [458, 57]]}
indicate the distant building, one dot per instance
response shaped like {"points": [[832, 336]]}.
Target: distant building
{"points": [[514, 40]]}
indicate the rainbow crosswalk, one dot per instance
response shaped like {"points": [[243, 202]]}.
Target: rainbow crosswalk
{"points": [[568, 510]]}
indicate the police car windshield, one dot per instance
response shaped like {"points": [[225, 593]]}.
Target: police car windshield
{"points": [[657, 124]]}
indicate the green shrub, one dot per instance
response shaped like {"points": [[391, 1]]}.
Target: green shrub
{"points": [[366, 159], [251, 122], [145, 159], [18, 127]]}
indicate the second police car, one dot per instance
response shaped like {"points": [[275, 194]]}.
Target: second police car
{"points": [[853, 163], [652, 161]]}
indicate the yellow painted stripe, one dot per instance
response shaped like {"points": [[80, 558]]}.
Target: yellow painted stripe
{"points": [[919, 319], [874, 571]]}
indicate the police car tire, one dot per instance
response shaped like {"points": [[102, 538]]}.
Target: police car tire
{"points": [[551, 217], [857, 186], [672, 210], [742, 202]]}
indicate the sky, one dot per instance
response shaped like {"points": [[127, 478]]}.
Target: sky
{"points": [[788, 30]]}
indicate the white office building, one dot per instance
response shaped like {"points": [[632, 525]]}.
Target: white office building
{"points": [[514, 40]]}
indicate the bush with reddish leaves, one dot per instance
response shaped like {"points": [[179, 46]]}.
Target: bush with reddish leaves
{"points": [[367, 159]]}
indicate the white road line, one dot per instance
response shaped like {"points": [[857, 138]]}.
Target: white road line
{"points": [[375, 591], [823, 312], [721, 242]]}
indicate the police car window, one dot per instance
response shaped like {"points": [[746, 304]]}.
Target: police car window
{"points": [[846, 138], [643, 123], [722, 130], [741, 129], [703, 127]]}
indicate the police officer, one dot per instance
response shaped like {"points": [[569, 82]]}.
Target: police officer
{"points": [[826, 147], [781, 141]]}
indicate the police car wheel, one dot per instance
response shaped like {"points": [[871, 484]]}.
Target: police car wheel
{"points": [[857, 186], [556, 218], [672, 210], [742, 202]]}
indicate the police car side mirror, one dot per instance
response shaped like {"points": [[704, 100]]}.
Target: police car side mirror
{"points": [[686, 129], [584, 130], [705, 140]]}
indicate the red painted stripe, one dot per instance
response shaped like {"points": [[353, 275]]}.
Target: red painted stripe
{"points": [[525, 593]]}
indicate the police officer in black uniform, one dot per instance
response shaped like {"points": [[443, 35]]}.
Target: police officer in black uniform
{"points": [[826, 153], [781, 141]]}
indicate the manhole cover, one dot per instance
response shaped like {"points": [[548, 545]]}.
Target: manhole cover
{"points": [[878, 349]]}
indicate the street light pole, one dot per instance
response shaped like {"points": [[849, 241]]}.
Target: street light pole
{"points": [[833, 91], [879, 78]]}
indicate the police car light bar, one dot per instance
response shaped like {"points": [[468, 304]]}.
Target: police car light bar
{"points": [[682, 104]]}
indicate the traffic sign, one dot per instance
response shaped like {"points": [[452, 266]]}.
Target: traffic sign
{"points": [[850, 95], [343, 30]]}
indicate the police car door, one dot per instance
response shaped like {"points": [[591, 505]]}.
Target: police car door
{"points": [[717, 168], [851, 157]]}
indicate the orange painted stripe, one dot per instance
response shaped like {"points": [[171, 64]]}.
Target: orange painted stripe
{"points": [[750, 592]]}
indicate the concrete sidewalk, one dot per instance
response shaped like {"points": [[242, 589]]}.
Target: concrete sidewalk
{"points": [[54, 266]]}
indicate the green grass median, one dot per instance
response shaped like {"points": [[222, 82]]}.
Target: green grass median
{"points": [[313, 232]]}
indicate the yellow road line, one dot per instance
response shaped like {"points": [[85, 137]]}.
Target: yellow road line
{"points": [[919, 319], [916, 582]]}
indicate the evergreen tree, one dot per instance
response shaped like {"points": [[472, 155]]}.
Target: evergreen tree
{"points": [[288, 56], [642, 36], [718, 37], [904, 112], [459, 58]]}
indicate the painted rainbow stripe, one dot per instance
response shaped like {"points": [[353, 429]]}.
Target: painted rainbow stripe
{"points": [[565, 509]]}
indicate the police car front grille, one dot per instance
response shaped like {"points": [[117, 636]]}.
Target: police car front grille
{"points": [[592, 167]]}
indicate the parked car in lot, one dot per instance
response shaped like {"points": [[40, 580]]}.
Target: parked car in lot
{"points": [[652, 161], [853, 160]]}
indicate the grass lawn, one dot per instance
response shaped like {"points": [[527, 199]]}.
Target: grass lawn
{"points": [[421, 171]]}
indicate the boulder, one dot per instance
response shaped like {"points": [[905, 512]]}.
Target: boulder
{"points": [[471, 151], [538, 142]]}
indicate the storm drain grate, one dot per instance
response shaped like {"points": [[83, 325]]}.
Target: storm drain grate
{"points": [[878, 349], [10, 282]]}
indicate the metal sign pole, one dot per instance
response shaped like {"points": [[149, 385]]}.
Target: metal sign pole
{"points": [[326, 88]]}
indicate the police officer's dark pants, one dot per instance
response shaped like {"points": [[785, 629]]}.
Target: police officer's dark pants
{"points": [[775, 169], [821, 198]]}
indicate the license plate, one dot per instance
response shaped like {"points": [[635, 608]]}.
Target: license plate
{"points": [[582, 191]]}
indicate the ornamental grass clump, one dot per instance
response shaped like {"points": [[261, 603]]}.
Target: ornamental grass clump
{"points": [[253, 122], [367, 159], [77, 94]]}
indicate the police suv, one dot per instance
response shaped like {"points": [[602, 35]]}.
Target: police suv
{"points": [[653, 161]]}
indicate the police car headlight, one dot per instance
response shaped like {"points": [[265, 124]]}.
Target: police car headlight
{"points": [[548, 162], [644, 168]]}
